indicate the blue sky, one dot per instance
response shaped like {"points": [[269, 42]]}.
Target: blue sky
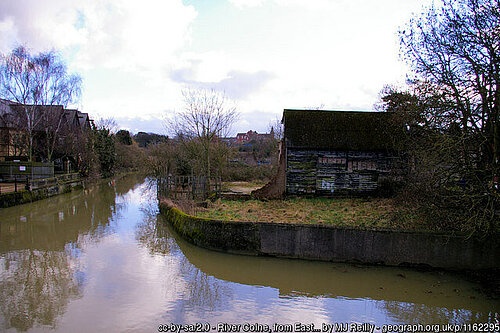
{"points": [[136, 57]]}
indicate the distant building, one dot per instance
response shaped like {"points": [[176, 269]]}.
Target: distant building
{"points": [[252, 148], [243, 138]]}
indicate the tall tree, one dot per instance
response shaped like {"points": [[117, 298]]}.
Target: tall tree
{"points": [[34, 81], [207, 117], [104, 148], [451, 112], [123, 137], [456, 48]]}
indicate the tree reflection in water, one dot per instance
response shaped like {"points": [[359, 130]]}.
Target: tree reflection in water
{"points": [[206, 293], [203, 291], [36, 287], [153, 234], [40, 245]]}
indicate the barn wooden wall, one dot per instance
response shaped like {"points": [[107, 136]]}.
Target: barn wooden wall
{"points": [[328, 173]]}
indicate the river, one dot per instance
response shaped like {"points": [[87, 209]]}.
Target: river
{"points": [[103, 260]]}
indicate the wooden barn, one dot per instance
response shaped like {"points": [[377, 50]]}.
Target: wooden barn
{"points": [[329, 153]]}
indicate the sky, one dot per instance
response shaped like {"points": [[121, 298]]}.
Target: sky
{"points": [[136, 57]]}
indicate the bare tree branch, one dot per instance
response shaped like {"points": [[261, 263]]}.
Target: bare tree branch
{"points": [[34, 82], [207, 117]]}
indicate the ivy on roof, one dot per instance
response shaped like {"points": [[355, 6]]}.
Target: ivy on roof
{"points": [[337, 130]]}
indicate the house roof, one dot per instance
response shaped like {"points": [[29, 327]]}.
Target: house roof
{"points": [[71, 116], [322, 129], [83, 118], [4, 110], [74, 118]]}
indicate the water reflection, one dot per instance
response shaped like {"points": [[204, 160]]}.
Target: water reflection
{"points": [[35, 287], [420, 313], [201, 290], [40, 246], [153, 234], [60, 220]]}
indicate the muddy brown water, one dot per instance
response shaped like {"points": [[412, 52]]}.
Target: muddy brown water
{"points": [[103, 260]]}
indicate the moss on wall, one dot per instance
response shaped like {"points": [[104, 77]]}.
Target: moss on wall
{"points": [[22, 197], [241, 237]]}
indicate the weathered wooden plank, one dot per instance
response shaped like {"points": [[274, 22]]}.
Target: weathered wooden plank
{"points": [[331, 172]]}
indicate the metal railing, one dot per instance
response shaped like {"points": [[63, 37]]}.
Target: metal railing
{"points": [[188, 187], [39, 183]]}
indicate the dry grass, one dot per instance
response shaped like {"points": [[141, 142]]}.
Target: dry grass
{"points": [[378, 213]]}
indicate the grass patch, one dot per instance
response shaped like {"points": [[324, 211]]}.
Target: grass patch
{"points": [[355, 212]]}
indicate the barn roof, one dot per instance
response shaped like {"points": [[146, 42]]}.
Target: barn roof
{"points": [[340, 130]]}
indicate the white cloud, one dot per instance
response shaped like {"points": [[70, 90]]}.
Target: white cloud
{"points": [[247, 3], [333, 53], [121, 33], [236, 84], [137, 35], [122, 48], [8, 34], [41, 25]]}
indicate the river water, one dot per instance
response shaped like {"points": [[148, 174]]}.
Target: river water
{"points": [[103, 260]]}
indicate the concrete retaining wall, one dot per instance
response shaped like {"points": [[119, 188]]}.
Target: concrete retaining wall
{"points": [[330, 243]]}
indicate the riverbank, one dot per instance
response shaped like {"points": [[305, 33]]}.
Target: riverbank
{"points": [[338, 243], [351, 212], [53, 186]]}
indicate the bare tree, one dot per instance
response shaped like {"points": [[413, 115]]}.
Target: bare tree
{"points": [[317, 107], [207, 117], [51, 124], [107, 123], [34, 82], [275, 127], [451, 112], [456, 49]]}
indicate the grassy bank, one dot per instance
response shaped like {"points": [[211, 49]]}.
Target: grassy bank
{"points": [[378, 213]]}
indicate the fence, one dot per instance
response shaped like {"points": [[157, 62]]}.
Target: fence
{"points": [[38, 183], [14, 186], [188, 187], [18, 176], [20, 171]]}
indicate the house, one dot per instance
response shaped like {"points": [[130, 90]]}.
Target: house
{"points": [[12, 125], [5, 146], [244, 138], [70, 118], [85, 122], [10, 137], [335, 152]]}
